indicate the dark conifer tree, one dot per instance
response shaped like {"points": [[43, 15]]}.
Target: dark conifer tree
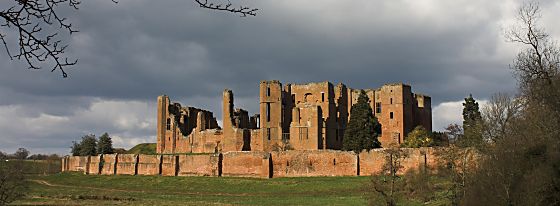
{"points": [[76, 148], [471, 113], [363, 128], [105, 144], [88, 146], [472, 123]]}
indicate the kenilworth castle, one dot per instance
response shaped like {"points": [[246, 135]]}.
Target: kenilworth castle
{"points": [[309, 116]]}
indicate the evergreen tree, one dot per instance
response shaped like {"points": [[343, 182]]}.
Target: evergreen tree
{"points": [[472, 123], [471, 112], [76, 148], [105, 144], [88, 146], [363, 128]]}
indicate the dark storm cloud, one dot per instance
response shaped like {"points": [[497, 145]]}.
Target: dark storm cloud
{"points": [[133, 51], [139, 49]]}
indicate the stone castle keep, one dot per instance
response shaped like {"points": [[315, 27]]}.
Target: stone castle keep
{"points": [[294, 116]]}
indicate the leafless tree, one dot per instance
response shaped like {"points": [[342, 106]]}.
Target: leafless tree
{"points": [[31, 21], [453, 132], [538, 66], [456, 163], [499, 115], [12, 181], [385, 186], [520, 166]]}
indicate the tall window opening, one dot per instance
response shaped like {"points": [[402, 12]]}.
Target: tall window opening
{"points": [[168, 124], [268, 91], [391, 115], [337, 134], [378, 107], [391, 100], [268, 133], [322, 96], [268, 111]]}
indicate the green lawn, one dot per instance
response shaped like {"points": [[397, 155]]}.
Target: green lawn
{"points": [[79, 189]]}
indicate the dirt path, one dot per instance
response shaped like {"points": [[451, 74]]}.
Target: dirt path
{"points": [[43, 182]]}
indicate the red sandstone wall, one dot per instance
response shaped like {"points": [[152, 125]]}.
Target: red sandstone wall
{"points": [[169, 165], [371, 162], [93, 168], [295, 163], [108, 164], [126, 164], [207, 141], [416, 158], [256, 140], [77, 163], [314, 163], [246, 164], [199, 165], [148, 164]]}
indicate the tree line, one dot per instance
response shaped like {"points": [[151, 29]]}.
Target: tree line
{"points": [[23, 154], [91, 146]]}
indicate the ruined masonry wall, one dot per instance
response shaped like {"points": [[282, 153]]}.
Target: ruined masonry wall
{"points": [[199, 165], [169, 165], [314, 163], [246, 164], [126, 164], [372, 162], [109, 164], [94, 165], [148, 164], [75, 163], [294, 163]]}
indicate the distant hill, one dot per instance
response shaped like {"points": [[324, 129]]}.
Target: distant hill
{"points": [[144, 148]]}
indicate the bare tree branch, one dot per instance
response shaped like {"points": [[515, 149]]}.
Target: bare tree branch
{"points": [[243, 10], [540, 61], [30, 20]]}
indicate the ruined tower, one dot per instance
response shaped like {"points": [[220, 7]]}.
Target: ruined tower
{"points": [[271, 113]]}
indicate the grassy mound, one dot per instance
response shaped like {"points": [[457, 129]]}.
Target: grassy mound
{"points": [[144, 148]]}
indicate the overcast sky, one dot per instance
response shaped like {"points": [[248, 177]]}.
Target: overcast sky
{"points": [[133, 51]]}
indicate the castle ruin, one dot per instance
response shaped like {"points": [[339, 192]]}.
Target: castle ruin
{"points": [[309, 116]]}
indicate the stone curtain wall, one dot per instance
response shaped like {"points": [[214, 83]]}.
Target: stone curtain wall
{"points": [[75, 164], [199, 165], [94, 165], [246, 164], [148, 164], [109, 164], [294, 163], [314, 163], [126, 164], [169, 165]]}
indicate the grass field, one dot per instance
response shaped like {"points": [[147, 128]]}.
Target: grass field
{"points": [[79, 189]]}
